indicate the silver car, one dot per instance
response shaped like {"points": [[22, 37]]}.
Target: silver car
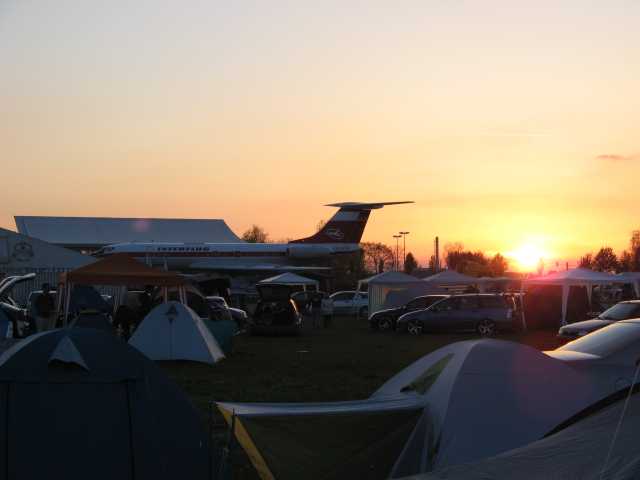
{"points": [[610, 354], [483, 313], [350, 303]]}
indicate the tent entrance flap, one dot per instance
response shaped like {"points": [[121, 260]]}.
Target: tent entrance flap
{"points": [[362, 444]]}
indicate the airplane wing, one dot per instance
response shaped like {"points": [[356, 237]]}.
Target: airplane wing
{"points": [[205, 265]]}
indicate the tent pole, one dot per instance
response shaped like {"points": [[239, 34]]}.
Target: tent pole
{"points": [[59, 298], [565, 302], [524, 321], [67, 301]]}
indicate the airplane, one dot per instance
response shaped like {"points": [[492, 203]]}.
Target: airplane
{"points": [[340, 235]]}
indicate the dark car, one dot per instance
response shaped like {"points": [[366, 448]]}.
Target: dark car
{"points": [[219, 304], [620, 311], [275, 313], [483, 313], [385, 320]]}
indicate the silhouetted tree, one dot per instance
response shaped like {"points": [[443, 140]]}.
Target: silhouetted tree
{"points": [[255, 234], [474, 263], [605, 260], [498, 265], [465, 261], [625, 261], [634, 251], [378, 257], [586, 261], [410, 263]]}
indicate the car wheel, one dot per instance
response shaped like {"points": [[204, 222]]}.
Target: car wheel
{"points": [[414, 327], [362, 313], [385, 324], [486, 328]]}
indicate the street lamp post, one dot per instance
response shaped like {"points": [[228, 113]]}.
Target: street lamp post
{"points": [[404, 247], [397, 237]]}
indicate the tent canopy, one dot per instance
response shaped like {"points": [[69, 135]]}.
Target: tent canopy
{"points": [[84, 404], [379, 287], [577, 277], [289, 278], [450, 277], [391, 277], [121, 269], [578, 451], [466, 401], [172, 331]]}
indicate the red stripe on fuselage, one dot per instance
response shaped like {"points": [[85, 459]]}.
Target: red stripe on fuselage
{"points": [[202, 254]]}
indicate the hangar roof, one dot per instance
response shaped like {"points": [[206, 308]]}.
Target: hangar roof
{"points": [[100, 231]]}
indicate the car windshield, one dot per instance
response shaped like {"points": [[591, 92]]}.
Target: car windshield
{"points": [[607, 340], [621, 311]]}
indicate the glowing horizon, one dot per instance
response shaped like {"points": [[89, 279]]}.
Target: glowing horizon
{"points": [[512, 126]]}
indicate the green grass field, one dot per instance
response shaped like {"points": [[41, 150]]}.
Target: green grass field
{"points": [[344, 362]]}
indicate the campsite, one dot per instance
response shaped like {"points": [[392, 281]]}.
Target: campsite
{"points": [[317, 366], [319, 240]]}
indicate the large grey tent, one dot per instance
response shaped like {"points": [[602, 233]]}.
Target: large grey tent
{"points": [[461, 403], [578, 451], [79, 403], [381, 286]]}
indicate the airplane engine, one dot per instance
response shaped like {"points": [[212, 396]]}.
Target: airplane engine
{"points": [[308, 251]]}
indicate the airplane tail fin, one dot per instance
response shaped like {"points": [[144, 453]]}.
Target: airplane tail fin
{"points": [[347, 224]]}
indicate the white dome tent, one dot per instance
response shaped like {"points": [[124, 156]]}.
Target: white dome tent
{"points": [[578, 451], [464, 402], [577, 277], [172, 331]]}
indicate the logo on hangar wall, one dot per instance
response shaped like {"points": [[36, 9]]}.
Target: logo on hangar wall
{"points": [[22, 251]]}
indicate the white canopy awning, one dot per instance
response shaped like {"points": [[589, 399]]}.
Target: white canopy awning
{"points": [[633, 278], [578, 277], [290, 279], [451, 277]]}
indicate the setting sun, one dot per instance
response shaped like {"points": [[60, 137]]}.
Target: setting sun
{"points": [[527, 256]]}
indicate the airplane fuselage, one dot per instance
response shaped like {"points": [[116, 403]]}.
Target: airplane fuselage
{"points": [[206, 256]]}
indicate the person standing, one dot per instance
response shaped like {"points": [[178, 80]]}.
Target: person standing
{"points": [[327, 310], [316, 309], [45, 309]]}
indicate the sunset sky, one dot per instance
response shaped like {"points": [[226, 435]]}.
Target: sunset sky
{"points": [[508, 125]]}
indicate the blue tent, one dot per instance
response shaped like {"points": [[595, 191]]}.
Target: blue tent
{"points": [[79, 403]]}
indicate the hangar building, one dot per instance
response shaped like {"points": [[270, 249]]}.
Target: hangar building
{"points": [[91, 233]]}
